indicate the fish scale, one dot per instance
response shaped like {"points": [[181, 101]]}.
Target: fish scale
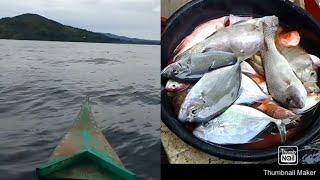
{"points": [[244, 39], [303, 66], [237, 125], [283, 85], [207, 98]]}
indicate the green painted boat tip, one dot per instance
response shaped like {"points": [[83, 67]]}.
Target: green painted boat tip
{"points": [[84, 153]]}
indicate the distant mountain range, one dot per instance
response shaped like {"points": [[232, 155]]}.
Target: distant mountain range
{"points": [[36, 27]]}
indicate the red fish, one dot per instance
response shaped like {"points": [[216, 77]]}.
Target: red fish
{"points": [[288, 39], [269, 140], [272, 109], [203, 31], [260, 80], [200, 33]]}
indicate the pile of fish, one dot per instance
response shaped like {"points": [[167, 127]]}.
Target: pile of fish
{"points": [[233, 77]]}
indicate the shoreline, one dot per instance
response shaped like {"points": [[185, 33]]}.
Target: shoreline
{"points": [[81, 42]]}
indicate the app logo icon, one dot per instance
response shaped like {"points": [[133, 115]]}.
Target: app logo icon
{"points": [[287, 155]]}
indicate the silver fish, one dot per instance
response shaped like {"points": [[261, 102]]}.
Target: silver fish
{"points": [[283, 85], [302, 65], [202, 31], [192, 68], [238, 125], [244, 39], [211, 95], [250, 92]]}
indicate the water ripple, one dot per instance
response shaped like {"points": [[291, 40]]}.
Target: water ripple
{"points": [[98, 61], [42, 86], [129, 95]]}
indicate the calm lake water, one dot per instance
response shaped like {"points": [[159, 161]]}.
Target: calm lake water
{"points": [[43, 84]]}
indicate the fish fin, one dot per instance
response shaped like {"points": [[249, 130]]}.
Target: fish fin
{"points": [[230, 62], [181, 46], [239, 22], [192, 78], [269, 32], [202, 96], [227, 22], [315, 60]]}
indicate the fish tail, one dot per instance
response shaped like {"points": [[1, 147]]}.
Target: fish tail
{"points": [[269, 32], [270, 27], [281, 125]]}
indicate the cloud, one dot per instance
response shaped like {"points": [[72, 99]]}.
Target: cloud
{"points": [[133, 18], [156, 9]]}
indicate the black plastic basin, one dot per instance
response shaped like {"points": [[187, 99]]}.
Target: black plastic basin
{"points": [[196, 12]]}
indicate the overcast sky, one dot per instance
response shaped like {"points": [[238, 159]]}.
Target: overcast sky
{"points": [[133, 18]]}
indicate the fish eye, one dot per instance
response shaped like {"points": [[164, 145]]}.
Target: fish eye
{"points": [[193, 111], [313, 73], [288, 99]]}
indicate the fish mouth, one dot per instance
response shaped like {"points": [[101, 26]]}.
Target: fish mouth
{"points": [[166, 72], [299, 104], [174, 70]]}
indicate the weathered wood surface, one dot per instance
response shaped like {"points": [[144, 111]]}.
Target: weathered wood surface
{"points": [[168, 7]]}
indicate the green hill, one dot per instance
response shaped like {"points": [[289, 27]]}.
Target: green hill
{"points": [[36, 27]]}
